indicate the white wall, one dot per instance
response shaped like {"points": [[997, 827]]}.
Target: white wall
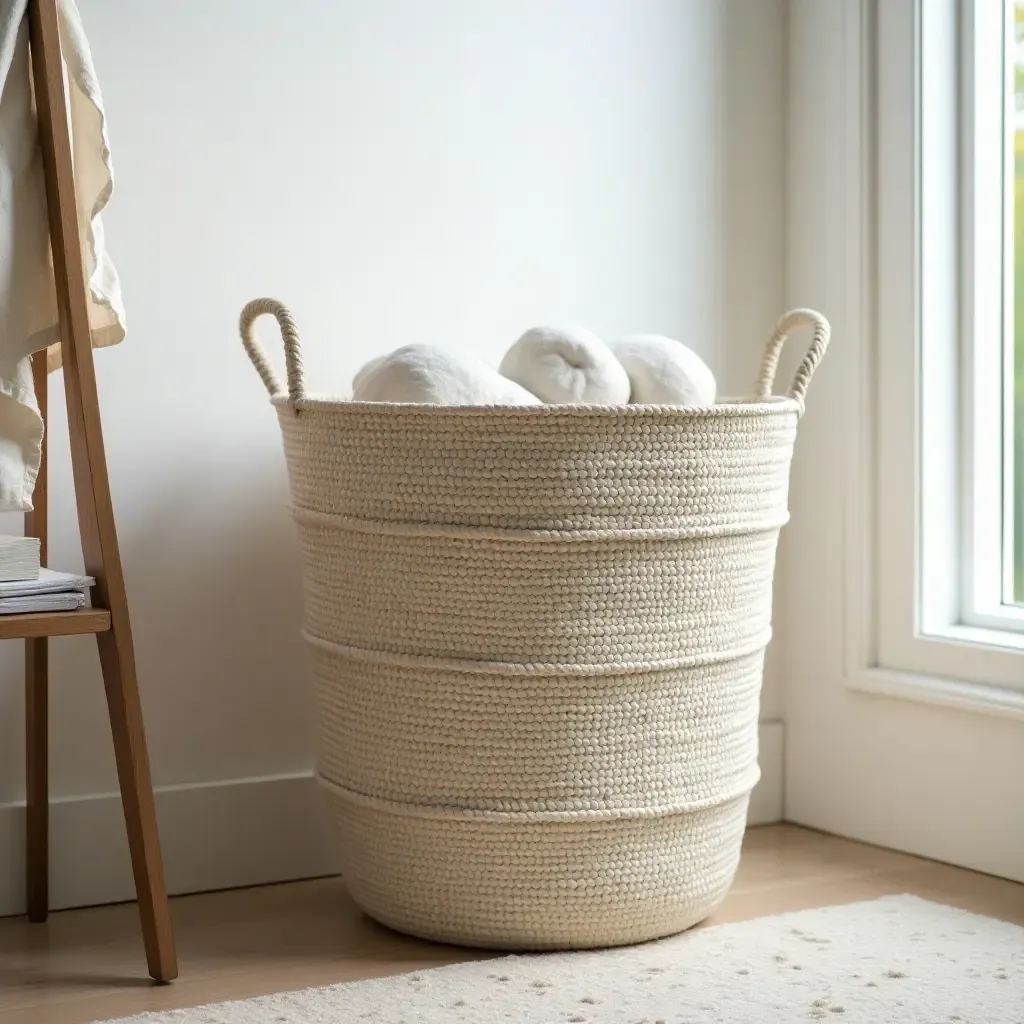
{"points": [[396, 171]]}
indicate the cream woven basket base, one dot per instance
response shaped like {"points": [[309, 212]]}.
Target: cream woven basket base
{"points": [[538, 637], [533, 885]]}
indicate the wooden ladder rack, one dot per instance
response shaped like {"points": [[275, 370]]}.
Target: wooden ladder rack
{"points": [[108, 618]]}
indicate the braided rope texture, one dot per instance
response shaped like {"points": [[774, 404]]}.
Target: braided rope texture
{"points": [[789, 322], [251, 312], [537, 640]]}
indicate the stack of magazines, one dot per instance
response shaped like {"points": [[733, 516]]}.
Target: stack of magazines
{"points": [[27, 587]]}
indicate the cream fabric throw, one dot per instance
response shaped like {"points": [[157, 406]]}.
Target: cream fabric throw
{"points": [[28, 305]]}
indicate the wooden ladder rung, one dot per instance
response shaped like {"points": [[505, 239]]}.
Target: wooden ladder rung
{"points": [[34, 624]]}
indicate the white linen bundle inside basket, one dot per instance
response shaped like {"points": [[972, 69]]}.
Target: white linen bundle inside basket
{"points": [[538, 637]]}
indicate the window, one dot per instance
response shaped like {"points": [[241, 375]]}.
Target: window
{"points": [[904, 724], [991, 292], [971, 347], [943, 595], [1015, 461]]}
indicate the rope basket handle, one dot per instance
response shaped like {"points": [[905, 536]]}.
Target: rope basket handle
{"points": [[788, 323], [251, 312]]}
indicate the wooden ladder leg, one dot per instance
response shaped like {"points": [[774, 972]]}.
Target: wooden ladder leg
{"points": [[37, 795], [118, 662], [92, 495]]}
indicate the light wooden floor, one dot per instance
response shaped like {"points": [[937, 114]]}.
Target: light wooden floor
{"points": [[87, 965]]}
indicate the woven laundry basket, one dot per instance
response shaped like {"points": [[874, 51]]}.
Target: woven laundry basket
{"points": [[538, 637]]}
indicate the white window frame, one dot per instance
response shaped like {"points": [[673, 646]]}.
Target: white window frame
{"points": [[924, 760], [988, 320], [920, 595]]}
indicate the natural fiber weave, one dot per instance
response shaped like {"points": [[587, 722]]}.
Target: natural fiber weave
{"points": [[625, 602], [509, 883], [542, 467], [538, 638], [635, 743]]}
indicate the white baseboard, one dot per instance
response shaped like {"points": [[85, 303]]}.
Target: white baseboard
{"points": [[217, 835], [224, 835]]}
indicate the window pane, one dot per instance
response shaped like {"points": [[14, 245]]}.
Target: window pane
{"points": [[1015, 464]]}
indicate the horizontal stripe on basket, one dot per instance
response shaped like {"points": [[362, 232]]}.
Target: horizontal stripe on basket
{"points": [[401, 528], [566, 816], [534, 668], [469, 665]]}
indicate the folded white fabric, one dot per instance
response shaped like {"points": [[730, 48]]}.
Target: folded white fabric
{"points": [[28, 303], [663, 371], [425, 375], [567, 366]]}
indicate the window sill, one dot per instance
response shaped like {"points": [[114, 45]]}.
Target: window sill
{"points": [[948, 693], [1002, 627]]}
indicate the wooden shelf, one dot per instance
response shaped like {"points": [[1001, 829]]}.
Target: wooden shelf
{"points": [[32, 624]]}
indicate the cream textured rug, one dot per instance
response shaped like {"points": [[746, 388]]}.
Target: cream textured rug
{"points": [[898, 960]]}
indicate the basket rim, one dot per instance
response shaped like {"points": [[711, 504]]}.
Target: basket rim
{"points": [[730, 407]]}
